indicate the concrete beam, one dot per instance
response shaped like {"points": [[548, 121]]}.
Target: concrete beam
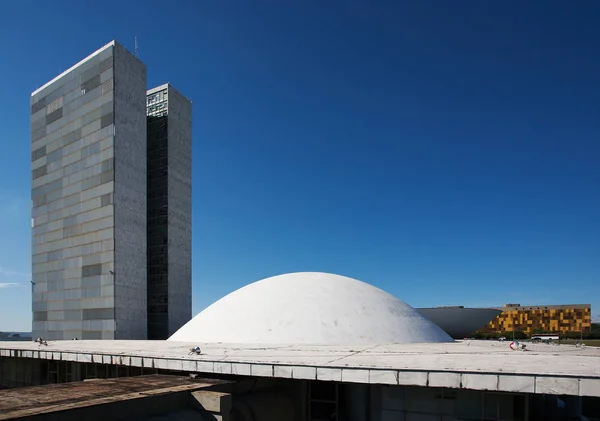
{"points": [[215, 402]]}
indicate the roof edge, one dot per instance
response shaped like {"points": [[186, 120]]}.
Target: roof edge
{"points": [[169, 88], [70, 69], [157, 88]]}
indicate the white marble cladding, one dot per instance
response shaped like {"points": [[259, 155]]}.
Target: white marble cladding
{"points": [[130, 197], [180, 210]]}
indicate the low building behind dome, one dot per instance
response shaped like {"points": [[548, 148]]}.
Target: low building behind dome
{"points": [[458, 321], [310, 308]]}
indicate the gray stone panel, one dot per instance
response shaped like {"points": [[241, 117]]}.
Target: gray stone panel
{"points": [[53, 116], [130, 184], [39, 172], [72, 172], [91, 335], [97, 69], [91, 84], [70, 79], [72, 136], [107, 86], [38, 124], [54, 156], [38, 153], [105, 199], [180, 210], [40, 105], [38, 134], [91, 270], [89, 200], [72, 315], [98, 313], [106, 120], [40, 316]]}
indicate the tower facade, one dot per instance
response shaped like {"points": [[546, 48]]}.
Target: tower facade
{"points": [[88, 161], [169, 151]]}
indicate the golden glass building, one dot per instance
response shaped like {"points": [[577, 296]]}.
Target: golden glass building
{"points": [[537, 319]]}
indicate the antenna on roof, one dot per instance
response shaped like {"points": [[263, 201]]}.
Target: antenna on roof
{"points": [[135, 50]]}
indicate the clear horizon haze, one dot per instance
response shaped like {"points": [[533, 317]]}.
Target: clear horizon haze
{"points": [[446, 152]]}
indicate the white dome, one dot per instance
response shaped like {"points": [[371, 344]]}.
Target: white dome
{"points": [[310, 308]]}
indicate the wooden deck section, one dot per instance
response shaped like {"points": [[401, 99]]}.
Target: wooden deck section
{"points": [[43, 400]]}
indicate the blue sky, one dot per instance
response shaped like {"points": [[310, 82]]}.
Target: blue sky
{"points": [[444, 151]]}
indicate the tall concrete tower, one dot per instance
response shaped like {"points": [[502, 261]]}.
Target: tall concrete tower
{"points": [[88, 161], [169, 211]]}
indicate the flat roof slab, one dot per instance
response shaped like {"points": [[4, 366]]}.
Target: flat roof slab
{"points": [[478, 365], [36, 400]]}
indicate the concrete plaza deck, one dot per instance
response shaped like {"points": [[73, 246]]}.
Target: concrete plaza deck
{"points": [[477, 365]]}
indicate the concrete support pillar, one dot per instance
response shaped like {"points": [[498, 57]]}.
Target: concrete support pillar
{"points": [[76, 372], [216, 405]]}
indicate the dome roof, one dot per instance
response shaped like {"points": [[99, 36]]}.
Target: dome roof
{"points": [[310, 308]]}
